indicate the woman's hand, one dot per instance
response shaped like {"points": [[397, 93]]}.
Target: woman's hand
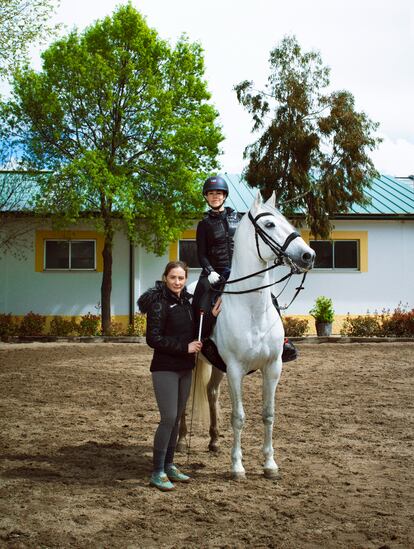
{"points": [[217, 308], [194, 347]]}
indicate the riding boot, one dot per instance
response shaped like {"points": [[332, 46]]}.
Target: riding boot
{"points": [[289, 350]]}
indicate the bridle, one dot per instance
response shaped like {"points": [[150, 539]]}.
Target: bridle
{"points": [[277, 249], [281, 257]]}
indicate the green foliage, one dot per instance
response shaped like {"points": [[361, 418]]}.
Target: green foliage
{"points": [[63, 327], [314, 146], [295, 327], [89, 325], [323, 310], [124, 122], [139, 327], [8, 326], [21, 23], [32, 324]]}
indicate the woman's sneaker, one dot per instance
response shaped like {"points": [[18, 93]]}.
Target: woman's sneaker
{"points": [[176, 475], [161, 481]]}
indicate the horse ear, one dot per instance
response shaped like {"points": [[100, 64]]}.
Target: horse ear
{"points": [[258, 200], [272, 200]]}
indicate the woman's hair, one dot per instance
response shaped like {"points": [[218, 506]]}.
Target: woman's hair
{"points": [[173, 265]]}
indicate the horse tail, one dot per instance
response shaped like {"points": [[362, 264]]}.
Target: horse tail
{"points": [[201, 377]]}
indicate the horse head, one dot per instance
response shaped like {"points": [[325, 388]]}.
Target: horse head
{"points": [[276, 238]]}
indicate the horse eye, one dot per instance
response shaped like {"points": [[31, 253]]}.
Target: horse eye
{"points": [[269, 225]]}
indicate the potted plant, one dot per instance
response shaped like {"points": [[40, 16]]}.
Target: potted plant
{"points": [[324, 314]]}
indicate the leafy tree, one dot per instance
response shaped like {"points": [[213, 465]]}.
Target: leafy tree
{"points": [[123, 120], [16, 187], [313, 147], [21, 23]]}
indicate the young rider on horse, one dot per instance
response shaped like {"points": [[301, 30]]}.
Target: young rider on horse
{"points": [[215, 234], [171, 332]]}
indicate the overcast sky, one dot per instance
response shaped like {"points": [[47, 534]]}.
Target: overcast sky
{"points": [[368, 44]]}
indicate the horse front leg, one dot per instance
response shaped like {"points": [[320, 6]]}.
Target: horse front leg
{"points": [[235, 382], [271, 376], [182, 433], [213, 393]]}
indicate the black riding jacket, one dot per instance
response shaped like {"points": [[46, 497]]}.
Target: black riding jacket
{"points": [[215, 234], [170, 328]]}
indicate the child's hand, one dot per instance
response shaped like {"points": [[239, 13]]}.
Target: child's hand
{"points": [[217, 307]]}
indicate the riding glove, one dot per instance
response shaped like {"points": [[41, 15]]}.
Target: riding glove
{"points": [[213, 277]]}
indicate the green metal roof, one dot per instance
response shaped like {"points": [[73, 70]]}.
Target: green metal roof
{"points": [[389, 196]]}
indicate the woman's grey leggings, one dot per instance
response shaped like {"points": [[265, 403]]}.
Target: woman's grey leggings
{"points": [[171, 391]]}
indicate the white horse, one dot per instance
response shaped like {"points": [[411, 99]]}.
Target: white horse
{"points": [[249, 333]]}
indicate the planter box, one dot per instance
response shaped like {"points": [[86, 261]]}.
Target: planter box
{"points": [[323, 328]]}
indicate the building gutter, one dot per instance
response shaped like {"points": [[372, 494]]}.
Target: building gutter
{"points": [[131, 283]]}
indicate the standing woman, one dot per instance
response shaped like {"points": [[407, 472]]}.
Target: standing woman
{"points": [[171, 332]]}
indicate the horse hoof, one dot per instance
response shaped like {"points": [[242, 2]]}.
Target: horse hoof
{"points": [[181, 447], [213, 447], [238, 476], [271, 473]]}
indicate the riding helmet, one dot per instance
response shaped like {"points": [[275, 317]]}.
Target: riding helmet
{"points": [[215, 183]]}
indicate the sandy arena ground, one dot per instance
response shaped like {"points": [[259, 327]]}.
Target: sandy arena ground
{"points": [[77, 422]]}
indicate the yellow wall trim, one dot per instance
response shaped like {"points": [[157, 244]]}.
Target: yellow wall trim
{"points": [[362, 236], [190, 234], [41, 236]]}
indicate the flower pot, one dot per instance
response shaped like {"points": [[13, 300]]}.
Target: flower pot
{"points": [[323, 328]]}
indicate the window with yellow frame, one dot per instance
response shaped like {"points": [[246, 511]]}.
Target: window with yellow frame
{"points": [[69, 251], [343, 251]]}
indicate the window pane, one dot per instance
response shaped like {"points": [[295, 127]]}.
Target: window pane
{"points": [[83, 254], [187, 251], [324, 255], [57, 254], [346, 254]]}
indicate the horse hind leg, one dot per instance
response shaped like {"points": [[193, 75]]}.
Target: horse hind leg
{"points": [[213, 393], [182, 434]]}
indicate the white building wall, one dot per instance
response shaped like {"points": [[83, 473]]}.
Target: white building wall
{"points": [[73, 293], [388, 282], [389, 279]]}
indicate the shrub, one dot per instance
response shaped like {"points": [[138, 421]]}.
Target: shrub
{"points": [[62, 327], [32, 324], [139, 327], [8, 326], [295, 327], [362, 326], [116, 329], [398, 324], [89, 325]]}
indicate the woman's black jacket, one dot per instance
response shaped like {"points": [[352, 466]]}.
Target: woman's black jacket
{"points": [[170, 328]]}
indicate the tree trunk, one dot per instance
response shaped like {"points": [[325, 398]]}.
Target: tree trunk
{"points": [[106, 287]]}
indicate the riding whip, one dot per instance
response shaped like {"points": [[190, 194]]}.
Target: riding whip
{"points": [[200, 328]]}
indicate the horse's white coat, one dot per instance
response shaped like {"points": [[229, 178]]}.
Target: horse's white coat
{"points": [[249, 333]]}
